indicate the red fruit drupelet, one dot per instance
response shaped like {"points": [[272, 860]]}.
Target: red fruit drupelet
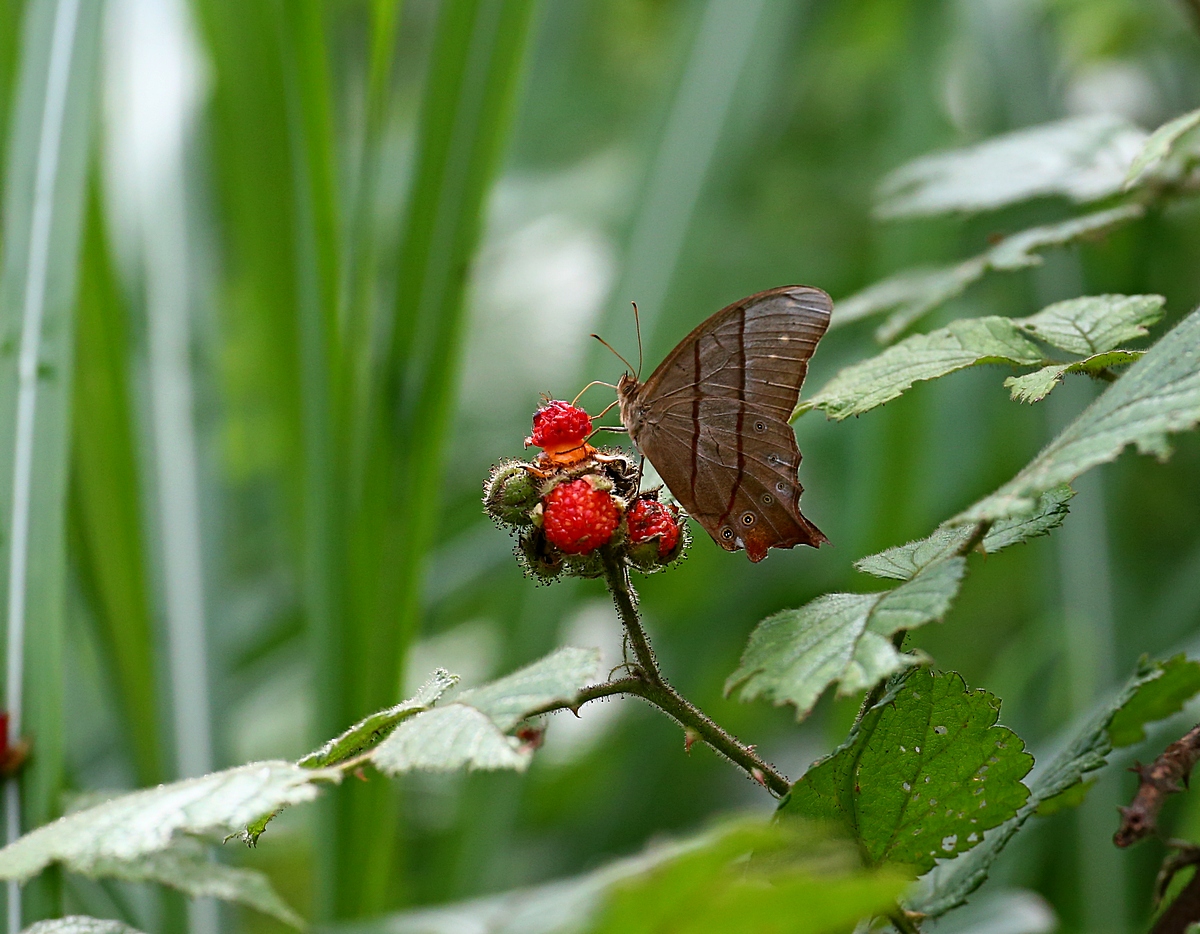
{"points": [[578, 517], [649, 518], [558, 426]]}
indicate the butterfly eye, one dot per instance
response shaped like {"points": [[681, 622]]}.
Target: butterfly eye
{"points": [[774, 459], [748, 518], [727, 533], [760, 426], [781, 487], [768, 499]]}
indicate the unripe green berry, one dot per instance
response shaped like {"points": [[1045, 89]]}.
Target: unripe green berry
{"points": [[511, 493]]}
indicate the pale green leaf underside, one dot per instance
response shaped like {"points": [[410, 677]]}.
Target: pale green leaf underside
{"points": [[793, 656], [913, 293], [1081, 158], [558, 676], [1093, 324], [904, 562], [922, 776], [187, 868], [1162, 145], [963, 343], [1035, 386], [80, 924], [449, 738], [1153, 691], [472, 731], [132, 826], [1158, 395]]}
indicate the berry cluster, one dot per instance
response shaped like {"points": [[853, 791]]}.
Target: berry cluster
{"points": [[574, 503]]}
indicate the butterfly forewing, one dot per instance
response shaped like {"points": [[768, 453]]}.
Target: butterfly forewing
{"points": [[712, 419]]}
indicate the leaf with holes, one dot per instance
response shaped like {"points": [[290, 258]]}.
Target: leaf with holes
{"points": [[795, 655], [923, 774], [1158, 395], [472, 731], [1093, 324], [1155, 690], [1081, 158], [906, 561], [961, 344]]}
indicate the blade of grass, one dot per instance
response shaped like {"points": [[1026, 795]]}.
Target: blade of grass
{"points": [[315, 244], [691, 134], [105, 510], [11, 15], [471, 86], [44, 200]]}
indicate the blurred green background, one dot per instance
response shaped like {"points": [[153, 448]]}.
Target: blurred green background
{"points": [[332, 254]]}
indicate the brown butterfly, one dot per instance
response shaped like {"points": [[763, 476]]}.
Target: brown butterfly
{"points": [[713, 418]]}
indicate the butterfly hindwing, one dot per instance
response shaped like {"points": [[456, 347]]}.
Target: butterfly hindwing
{"points": [[713, 419]]}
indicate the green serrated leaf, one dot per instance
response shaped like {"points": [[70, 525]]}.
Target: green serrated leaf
{"points": [[472, 731], [1162, 144], [187, 868], [903, 562], [1035, 386], [963, 343], [133, 826], [1155, 699], [1081, 158], [448, 738], [923, 774], [914, 292], [1084, 749], [1158, 395], [795, 655], [370, 730], [1093, 324], [80, 924]]}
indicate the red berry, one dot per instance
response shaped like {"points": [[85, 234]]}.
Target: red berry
{"points": [[578, 517], [559, 426], [648, 518]]}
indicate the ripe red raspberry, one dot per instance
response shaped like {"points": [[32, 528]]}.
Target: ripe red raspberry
{"points": [[559, 426], [578, 517], [649, 518]]}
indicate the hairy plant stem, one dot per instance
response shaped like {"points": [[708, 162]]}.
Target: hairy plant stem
{"points": [[649, 684]]}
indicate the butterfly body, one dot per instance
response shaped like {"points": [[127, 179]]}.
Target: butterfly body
{"points": [[713, 418]]}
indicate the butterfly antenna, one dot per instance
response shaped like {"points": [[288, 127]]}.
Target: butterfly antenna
{"points": [[637, 323], [607, 407], [595, 382], [610, 347]]}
